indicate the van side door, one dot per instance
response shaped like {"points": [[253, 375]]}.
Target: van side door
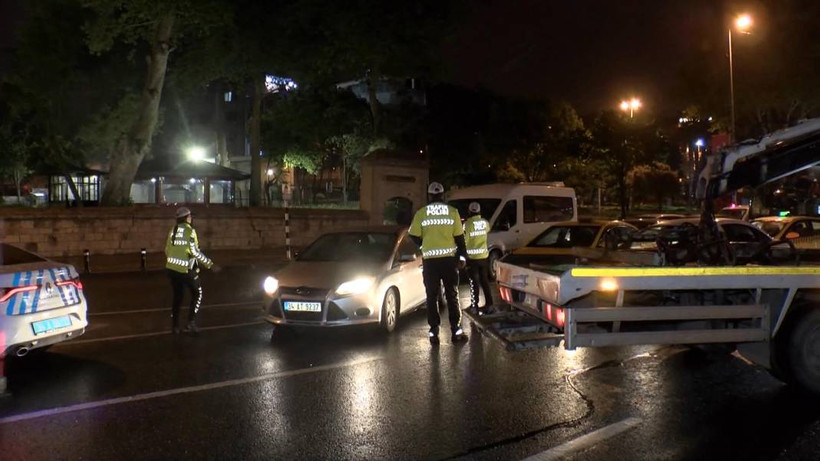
{"points": [[504, 233]]}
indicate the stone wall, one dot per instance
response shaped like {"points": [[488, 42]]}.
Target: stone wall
{"points": [[64, 232]]}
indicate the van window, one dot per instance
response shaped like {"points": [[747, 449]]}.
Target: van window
{"points": [[506, 220], [547, 209], [488, 206]]}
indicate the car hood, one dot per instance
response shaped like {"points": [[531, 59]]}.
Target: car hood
{"points": [[323, 274]]}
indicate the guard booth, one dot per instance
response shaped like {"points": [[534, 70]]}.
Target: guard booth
{"points": [[394, 185]]}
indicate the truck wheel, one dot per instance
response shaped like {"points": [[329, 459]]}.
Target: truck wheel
{"points": [[494, 256], [803, 352]]}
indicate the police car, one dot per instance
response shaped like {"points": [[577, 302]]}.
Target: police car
{"points": [[41, 301]]}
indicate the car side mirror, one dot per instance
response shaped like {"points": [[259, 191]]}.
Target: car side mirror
{"points": [[504, 225], [408, 258], [792, 235]]}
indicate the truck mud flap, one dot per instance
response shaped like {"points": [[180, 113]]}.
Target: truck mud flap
{"points": [[617, 326], [516, 330]]}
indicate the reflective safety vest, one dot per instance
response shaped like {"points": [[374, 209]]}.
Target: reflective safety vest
{"points": [[182, 250], [437, 224], [475, 237]]}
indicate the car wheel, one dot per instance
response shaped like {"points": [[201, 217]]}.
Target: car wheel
{"points": [[390, 310], [494, 256]]}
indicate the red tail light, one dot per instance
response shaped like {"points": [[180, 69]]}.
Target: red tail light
{"points": [[506, 294], [559, 317], [76, 282], [7, 293]]}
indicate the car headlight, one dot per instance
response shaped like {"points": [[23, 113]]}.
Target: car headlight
{"points": [[270, 285], [355, 286]]}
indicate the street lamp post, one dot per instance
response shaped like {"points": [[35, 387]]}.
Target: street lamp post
{"points": [[743, 23], [631, 105]]}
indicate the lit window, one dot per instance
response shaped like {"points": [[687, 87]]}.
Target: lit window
{"points": [[228, 96]]}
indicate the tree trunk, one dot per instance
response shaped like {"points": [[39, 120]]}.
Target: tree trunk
{"points": [[133, 145], [73, 187], [375, 105], [256, 143], [18, 181], [219, 125]]}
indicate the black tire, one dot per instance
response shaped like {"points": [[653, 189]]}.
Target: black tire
{"points": [[801, 366], [390, 311], [495, 255]]}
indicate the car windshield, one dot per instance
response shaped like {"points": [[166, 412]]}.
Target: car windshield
{"points": [[566, 237], [770, 227], [350, 246], [488, 206], [734, 213]]}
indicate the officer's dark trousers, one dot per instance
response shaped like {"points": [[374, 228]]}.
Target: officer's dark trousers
{"points": [[479, 272], [438, 271], [180, 282]]}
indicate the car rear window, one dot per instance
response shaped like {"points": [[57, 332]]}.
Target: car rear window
{"points": [[566, 237], [10, 255]]}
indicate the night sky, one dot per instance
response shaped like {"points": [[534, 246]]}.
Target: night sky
{"points": [[591, 53]]}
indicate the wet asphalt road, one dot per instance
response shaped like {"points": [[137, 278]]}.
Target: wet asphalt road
{"points": [[128, 390]]}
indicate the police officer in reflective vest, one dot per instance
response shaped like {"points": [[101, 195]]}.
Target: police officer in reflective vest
{"points": [[182, 261], [437, 229], [478, 266]]}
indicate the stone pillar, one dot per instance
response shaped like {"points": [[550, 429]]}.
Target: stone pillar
{"points": [[396, 178]]}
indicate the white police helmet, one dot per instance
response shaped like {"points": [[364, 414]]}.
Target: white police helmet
{"points": [[474, 207], [435, 188], [183, 212]]}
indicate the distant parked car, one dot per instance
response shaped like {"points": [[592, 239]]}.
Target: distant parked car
{"points": [[555, 244], [41, 301], [367, 276], [745, 239], [645, 220], [803, 231], [741, 212]]}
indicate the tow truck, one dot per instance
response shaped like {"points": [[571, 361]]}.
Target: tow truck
{"points": [[689, 291]]}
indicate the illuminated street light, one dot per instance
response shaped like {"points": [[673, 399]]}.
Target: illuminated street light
{"points": [[743, 24], [196, 153], [631, 105], [270, 171], [699, 143]]}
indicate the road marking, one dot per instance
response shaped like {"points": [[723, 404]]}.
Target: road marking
{"points": [[181, 390], [162, 309], [153, 333], [585, 441]]}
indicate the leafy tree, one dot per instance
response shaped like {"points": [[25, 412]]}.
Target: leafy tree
{"points": [[656, 180], [560, 139], [161, 25], [314, 128]]}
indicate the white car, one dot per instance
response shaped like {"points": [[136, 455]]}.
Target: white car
{"points": [[348, 277], [41, 301]]}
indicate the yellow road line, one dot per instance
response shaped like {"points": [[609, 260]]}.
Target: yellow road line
{"points": [[690, 271]]}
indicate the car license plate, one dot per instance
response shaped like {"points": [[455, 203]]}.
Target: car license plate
{"points": [[300, 306], [45, 326]]}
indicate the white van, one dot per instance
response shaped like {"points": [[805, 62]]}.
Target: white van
{"points": [[517, 212]]}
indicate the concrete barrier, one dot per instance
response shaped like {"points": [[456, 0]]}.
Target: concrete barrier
{"points": [[62, 232]]}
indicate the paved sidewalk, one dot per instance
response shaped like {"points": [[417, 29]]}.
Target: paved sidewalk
{"points": [[156, 261]]}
